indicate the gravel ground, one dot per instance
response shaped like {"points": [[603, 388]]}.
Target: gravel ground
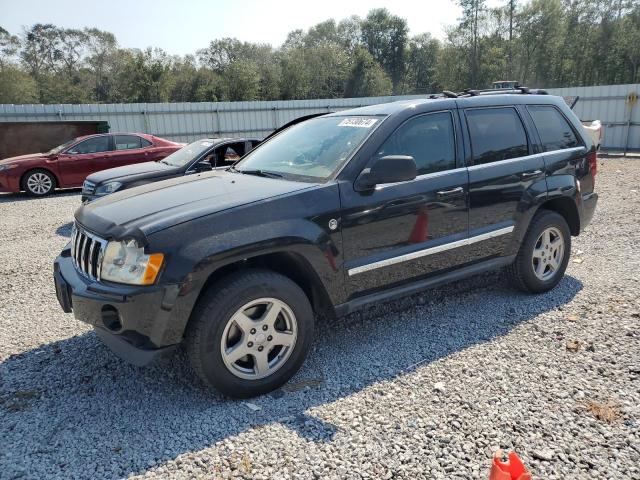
{"points": [[425, 387]]}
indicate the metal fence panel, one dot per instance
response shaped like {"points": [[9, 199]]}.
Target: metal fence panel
{"points": [[189, 121], [608, 103]]}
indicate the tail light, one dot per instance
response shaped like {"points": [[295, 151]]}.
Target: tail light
{"points": [[592, 158]]}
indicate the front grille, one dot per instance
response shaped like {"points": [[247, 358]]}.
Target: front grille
{"points": [[87, 251], [88, 187]]}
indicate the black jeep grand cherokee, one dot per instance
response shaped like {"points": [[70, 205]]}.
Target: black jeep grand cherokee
{"points": [[327, 216]]}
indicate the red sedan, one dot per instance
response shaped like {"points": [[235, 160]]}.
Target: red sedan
{"points": [[69, 164]]}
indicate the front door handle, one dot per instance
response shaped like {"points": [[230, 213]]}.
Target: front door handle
{"points": [[454, 192], [532, 174]]}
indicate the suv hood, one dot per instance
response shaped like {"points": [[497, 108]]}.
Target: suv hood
{"points": [[137, 170], [143, 210]]}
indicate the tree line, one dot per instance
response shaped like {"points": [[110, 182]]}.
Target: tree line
{"points": [[539, 43]]}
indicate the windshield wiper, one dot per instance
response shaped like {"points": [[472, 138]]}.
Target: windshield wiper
{"points": [[260, 173]]}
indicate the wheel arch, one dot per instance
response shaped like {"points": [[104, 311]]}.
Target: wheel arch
{"points": [[566, 207], [288, 264]]}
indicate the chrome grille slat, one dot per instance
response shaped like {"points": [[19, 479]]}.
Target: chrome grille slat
{"points": [[80, 251], [87, 252]]}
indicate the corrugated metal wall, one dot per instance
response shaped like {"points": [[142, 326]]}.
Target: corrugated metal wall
{"points": [[608, 103], [189, 121]]}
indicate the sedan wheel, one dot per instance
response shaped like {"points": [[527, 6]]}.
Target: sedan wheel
{"points": [[39, 183]]}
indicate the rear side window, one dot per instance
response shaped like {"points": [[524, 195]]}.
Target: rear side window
{"points": [[496, 134], [92, 145], [127, 142], [144, 142], [429, 139], [554, 130]]}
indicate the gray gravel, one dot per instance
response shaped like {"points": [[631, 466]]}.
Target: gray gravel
{"points": [[426, 387]]}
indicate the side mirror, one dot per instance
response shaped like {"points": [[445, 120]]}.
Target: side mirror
{"points": [[389, 169], [204, 166], [71, 152]]}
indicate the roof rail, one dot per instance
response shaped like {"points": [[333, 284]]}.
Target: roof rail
{"points": [[502, 91]]}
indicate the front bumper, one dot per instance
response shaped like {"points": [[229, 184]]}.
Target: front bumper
{"points": [[139, 324]]}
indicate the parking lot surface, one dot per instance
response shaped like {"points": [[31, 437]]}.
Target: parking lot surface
{"points": [[425, 387]]}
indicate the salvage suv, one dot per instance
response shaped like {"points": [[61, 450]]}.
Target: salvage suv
{"points": [[325, 217]]}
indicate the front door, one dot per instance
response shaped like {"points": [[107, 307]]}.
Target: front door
{"points": [[82, 159], [403, 231]]}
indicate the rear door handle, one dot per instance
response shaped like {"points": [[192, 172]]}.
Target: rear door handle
{"points": [[532, 174], [454, 192]]}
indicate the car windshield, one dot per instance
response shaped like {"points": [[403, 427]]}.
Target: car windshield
{"points": [[59, 148], [310, 151], [186, 154]]}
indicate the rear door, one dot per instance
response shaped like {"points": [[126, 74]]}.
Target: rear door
{"points": [[565, 154], [506, 177], [84, 158], [403, 231], [128, 149]]}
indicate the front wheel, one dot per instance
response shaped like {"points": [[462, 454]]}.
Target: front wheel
{"points": [[250, 333], [39, 183], [544, 253]]}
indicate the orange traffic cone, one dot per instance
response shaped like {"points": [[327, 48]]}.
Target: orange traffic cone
{"points": [[420, 230], [512, 469]]}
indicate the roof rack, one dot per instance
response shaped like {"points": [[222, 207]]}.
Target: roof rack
{"points": [[470, 92], [502, 91]]}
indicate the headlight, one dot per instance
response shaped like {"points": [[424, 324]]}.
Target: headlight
{"points": [[126, 262], [108, 188], [7, 167]]}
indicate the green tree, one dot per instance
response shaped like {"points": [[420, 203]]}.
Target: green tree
{"points": [[422, 63], [470, 25], [385, 36], [367, 78], [17, 86], [9, 46], [242, 80]]}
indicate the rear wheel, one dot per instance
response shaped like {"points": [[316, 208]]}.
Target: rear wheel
{"points": [[38, 183], [544, 253], [250, 333]]}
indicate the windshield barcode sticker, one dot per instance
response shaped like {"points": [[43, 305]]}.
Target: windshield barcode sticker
{"points": [[358, 122]]}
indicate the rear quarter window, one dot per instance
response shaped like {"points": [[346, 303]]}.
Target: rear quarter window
{"points": [[554, 130], [496, 134]]}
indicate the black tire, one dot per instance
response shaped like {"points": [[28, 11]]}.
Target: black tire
{"points": [[522, 270], [203, 340], [46, 185]]}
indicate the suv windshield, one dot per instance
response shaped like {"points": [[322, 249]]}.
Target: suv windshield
{"points": [[310, 151], [181, 157]]}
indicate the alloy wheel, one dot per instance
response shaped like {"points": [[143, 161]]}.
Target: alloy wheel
{"points": [[259, 338], [548, 253], [39, 183]]}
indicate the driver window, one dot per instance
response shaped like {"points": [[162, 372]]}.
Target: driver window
{"points": [[92, 145], [229, 154], [429, 139]]}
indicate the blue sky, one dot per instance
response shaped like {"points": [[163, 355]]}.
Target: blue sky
{"points": [[183, 26]]}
